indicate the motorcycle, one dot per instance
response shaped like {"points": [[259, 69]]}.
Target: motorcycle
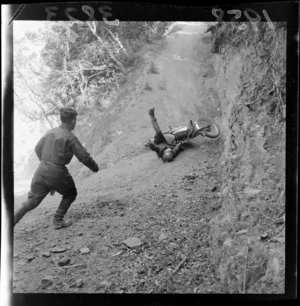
{"points": [[203, 127]]}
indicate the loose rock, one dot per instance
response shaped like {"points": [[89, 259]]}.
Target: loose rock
{"points": [[105, 284], [47, 281], [46, 254], [162, 236], [251, 192], [278, 239], [58, 250], [30, 258], [227, 243], [244, 231], [84, 250], [118, 253], [133, 242], [174, 246], [244, 216], [64, 261], [78, 284]]}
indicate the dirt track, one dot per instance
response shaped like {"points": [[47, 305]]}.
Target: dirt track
{"points": [[167, 206]]}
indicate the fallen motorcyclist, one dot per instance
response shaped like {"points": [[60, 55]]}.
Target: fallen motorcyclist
{"points": [[163, 144], [55, 150]]}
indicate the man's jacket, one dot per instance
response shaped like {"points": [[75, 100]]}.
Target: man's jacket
{"points": [[59, 145]]}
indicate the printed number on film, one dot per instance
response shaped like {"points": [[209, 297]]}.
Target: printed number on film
{"points": [[70, 12], [249, 13]]}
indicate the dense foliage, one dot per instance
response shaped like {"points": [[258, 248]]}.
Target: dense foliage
{"points": [[79, 64]]}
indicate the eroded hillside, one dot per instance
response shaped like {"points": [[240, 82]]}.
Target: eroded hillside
{"points": [[251, 82]]}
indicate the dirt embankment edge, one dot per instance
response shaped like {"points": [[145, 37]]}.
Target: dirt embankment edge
{"points": [[249, 231]]}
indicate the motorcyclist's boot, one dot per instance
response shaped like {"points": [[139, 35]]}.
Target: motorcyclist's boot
{"points": [[151, 113], [191, 128], [58, 219]]}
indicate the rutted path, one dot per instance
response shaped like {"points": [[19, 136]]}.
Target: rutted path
{"points": [[166, 206]]}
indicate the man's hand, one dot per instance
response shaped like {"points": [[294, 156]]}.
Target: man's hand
{"points": [[93, 166]]}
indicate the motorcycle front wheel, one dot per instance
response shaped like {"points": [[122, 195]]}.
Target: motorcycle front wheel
{"points": [[214, 131]]}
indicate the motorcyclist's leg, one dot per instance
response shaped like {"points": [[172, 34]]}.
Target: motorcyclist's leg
{"points": [[35, 196], [66, 187], [154, 121], [158, 137]]}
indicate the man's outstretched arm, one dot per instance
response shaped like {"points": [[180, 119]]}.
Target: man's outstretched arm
{"points": [[83, 156]]}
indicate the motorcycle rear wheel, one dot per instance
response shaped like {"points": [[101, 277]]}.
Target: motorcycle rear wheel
{"points": [[214, 129]]}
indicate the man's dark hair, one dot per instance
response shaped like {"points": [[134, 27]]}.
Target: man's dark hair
{"points": [[67, 114]]}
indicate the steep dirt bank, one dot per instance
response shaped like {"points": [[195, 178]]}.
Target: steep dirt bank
{"points": [[191, 224], [250, 231]]}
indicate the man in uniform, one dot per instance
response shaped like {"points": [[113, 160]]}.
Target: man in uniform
{"points": [[55, 150]]}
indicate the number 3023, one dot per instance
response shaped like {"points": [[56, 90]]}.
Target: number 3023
{"points": [[89, 11], [219, 14]]}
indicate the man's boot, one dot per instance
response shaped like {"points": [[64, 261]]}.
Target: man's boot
{"points": [[58, 219], [59, 222]]}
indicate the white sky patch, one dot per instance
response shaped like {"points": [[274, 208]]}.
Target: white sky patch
{"points": [[26, 132], [21, 27], [187, 33], [193, 24]]}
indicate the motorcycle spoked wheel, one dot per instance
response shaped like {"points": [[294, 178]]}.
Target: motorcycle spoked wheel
{"points": [[214, 129]]}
